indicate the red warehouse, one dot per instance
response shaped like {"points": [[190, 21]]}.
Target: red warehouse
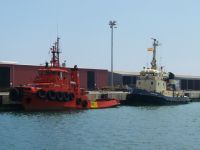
{"points": [[15, 74]]}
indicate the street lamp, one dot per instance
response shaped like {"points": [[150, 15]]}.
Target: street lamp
{"points": [[112, 25]]}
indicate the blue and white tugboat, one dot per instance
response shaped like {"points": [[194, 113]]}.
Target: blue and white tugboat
{"points": [[155, 87]]}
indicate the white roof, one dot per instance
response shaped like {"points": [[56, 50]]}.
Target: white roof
{"points": [[127, 73], [187, 76], [8, 62]]}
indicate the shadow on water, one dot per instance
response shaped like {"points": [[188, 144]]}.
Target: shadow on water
{"points": [[153, 107]]}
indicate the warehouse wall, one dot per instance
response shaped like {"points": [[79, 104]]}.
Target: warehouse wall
{"points": [[23, 74]]}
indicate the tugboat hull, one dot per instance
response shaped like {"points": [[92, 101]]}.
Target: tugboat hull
{"points": [[36, 104], [142, 97]]}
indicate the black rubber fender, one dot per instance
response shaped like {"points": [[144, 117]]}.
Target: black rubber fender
{"points": [[71, 95], [42, 94], [51, 95], [59, 96], [78, 101], [15, 94], [84, 103], [66, 97]]}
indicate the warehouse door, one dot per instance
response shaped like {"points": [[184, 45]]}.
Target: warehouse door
{"points": [[126, 80], [90, 80], [4, 77]]}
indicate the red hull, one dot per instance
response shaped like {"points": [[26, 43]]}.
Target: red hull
{"points": [[36, 104]]}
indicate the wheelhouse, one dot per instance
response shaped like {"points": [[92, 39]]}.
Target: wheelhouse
{"points": [[49, 75]]}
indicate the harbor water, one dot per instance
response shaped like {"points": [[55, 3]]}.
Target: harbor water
{"points": [[122, 128]]}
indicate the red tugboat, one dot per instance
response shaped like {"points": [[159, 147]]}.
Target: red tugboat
{"points": [[56, 88]]}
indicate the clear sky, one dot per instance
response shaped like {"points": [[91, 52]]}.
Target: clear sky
{"points": [[28, 27]]}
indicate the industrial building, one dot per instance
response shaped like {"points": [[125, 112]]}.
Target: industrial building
{"points": [[12, 74], [15, 74], [186, 82]]}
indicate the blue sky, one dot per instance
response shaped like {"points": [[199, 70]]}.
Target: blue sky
{"points": [[29, 27]]}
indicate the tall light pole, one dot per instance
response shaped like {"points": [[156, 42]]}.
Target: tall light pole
{"points": [[112, 25]]}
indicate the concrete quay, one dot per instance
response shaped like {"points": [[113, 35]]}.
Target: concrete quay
{"points": [[194, 95], [93, 95], [6, 104]]}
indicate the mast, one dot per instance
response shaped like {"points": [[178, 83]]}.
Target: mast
{"points": [[153, 62], [55, 50]]}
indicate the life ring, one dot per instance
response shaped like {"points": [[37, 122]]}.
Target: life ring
{"points": [[51, 95], [84, 103], [15, 94], [59, 96], [42, 94], [78, 101]]}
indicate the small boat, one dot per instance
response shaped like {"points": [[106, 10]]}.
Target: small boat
{"points": [[56, 88], [155, 87]]}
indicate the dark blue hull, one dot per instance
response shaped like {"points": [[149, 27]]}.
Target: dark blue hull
{"points": [[143, 97]]}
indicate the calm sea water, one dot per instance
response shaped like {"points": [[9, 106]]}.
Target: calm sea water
{"points": [[122, 128]]}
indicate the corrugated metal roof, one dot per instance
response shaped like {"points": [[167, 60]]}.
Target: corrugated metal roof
{"points": [[187, 76], [125, 73]]}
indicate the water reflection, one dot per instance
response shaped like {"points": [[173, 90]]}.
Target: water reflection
{"points": [[43, 113]]}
